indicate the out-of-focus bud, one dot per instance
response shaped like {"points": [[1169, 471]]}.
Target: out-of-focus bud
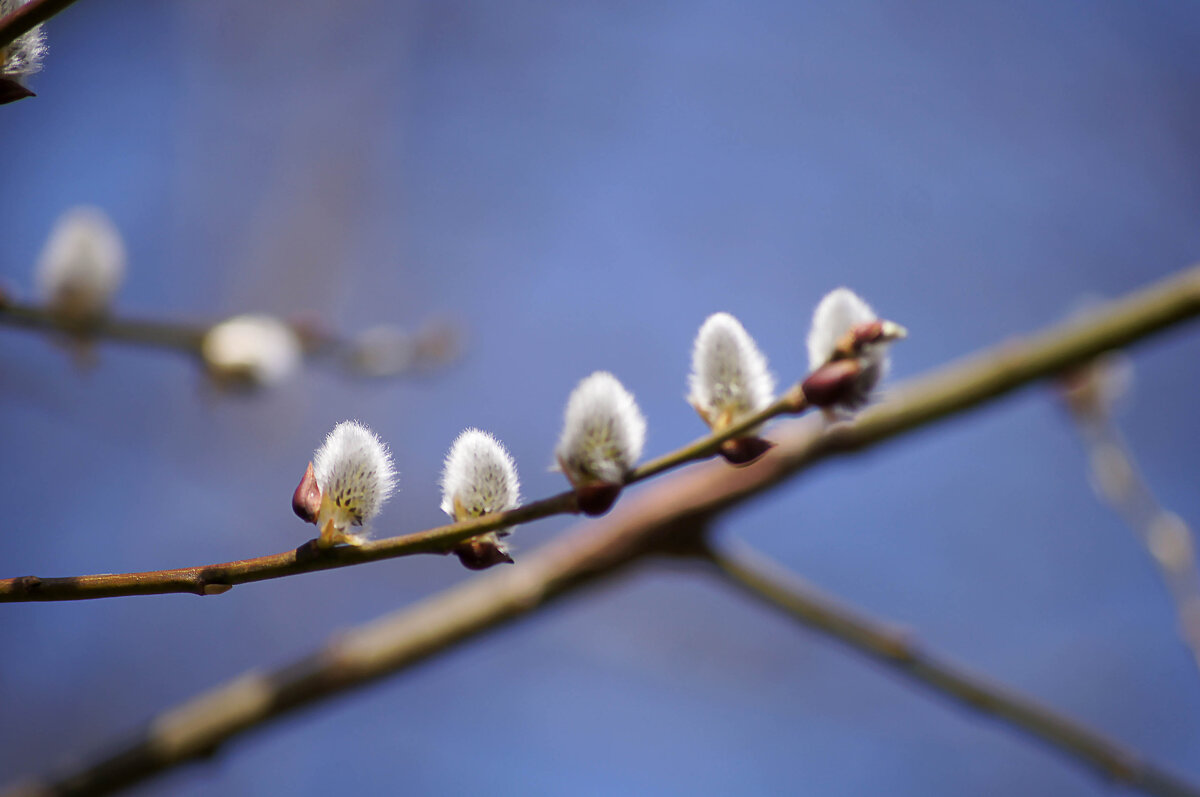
{"points": [[847, 351], [602, 438], [81, 266], [251, 351]]}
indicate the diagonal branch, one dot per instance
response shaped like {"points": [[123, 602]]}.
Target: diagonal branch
{"points": [[955, 388], [763, 580], [310, 558], [665, 517]]}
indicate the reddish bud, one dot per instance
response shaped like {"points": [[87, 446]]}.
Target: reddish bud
{"points": [[744, 450], [11, 91], [596, 498], [833, 383], [306, 501], [481, 553]]}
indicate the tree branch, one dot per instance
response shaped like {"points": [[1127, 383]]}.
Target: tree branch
{"points": [[429, 346], [953, 389], [1119, 483], [310, 558], [766, 582], [27, 17], [665, 517]]}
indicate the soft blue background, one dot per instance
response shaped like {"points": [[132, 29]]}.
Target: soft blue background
{"points": [[580, 184]]}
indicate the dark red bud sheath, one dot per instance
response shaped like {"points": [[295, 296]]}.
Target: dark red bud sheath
{"points": [[596, 499], [306, 501], [744, 450], [481, 553], [11, 91], [832, 383]]}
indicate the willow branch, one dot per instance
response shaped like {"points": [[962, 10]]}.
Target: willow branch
{"points": [[1119, 484], [178, 336], [310, 558], [767, 583], [27, 17], [663, 517], [953, 389], [430, 347]]}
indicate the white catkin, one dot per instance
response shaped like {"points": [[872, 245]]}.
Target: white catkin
{"points": [[729, 378], [23, 57], [258, 350], [840, 310], [479, 477], [82, 263], [603, 432], [355, 474]]}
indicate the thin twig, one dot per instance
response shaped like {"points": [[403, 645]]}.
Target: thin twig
{"points": [[664, 517], [26, 17], [1118, 483], [430, 347], [310, 558], [178, 336], [767, 582], [987, 375]]}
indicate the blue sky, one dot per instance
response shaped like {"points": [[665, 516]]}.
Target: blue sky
{"points": [[579, 186]]}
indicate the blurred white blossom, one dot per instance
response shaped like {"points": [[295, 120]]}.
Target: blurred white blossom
{"points": [[729, 379], [81, 265], [251, 351], [840, 310], [847, 350], [603, 432], [355, 475]]}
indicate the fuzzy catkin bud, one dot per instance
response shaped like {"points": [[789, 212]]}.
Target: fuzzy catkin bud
{"points": [[729, 379], [602, 438], [847, 350], [480, 478], [355, 476], [251, 351], [20, 59], [81, 265]]}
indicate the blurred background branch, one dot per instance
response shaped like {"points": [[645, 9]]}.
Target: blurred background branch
{"points": [[768, 583], [1090, 393]]}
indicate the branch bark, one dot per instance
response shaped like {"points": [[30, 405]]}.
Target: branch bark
{"points": [[663, 518]]}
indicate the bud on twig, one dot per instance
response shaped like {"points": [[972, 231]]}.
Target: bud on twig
{"points": [[251, 351], [847, 351], [480, 478], [306, 501], [81, 266], [354, 476], [602, 438], [729, 382]]}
